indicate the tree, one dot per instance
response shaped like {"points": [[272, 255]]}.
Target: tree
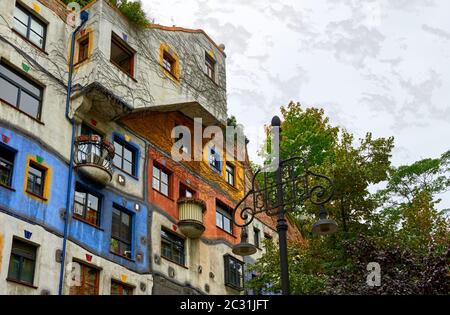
{"points": [[398, 227]]}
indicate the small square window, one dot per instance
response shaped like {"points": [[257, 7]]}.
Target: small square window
{"points": [[122, 55], [215, 160], [234, 272], [230, 174], [22, 262], [29, 26], [86, 206], [210, 66], [256, 237], [125, 157], [118, 288], [172, 247], [121, 233], [186, 192], [89, 280], [223, 218], [168, 62], [36, 179], [83, 48], [20, 92], [161, 180], [6, 166]]}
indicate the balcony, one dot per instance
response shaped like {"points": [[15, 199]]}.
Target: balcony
{"points": [[191, 217], [93, 158]]}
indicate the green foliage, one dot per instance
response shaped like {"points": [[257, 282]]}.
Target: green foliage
{"points": [[131, 9], [398, 226]]}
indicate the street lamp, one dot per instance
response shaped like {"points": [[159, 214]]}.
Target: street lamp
{"points": [[293, 184]]}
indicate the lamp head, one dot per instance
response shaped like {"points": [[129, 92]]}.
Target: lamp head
{"points": [[324, 226], [244, 248]]}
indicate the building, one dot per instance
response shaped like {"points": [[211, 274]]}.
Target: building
{"points": [[100, 173]]}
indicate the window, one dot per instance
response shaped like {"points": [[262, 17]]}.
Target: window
{"points": [[36, 179], [22, 262], [83, 48], [20, 92], [160, 180], [6, 166], [172, 247], [234, 275], [210, 65], [168, 62], [86, 206], [214, 160], [121, 233], [223, 218], [230, 174], [26, 24], [185, 192], [256, 237], [118, 288], [125, 157], [267, 236], [88, 281], [122, 55]]}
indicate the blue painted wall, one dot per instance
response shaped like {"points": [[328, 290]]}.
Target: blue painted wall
{"points": [[48, 215]]}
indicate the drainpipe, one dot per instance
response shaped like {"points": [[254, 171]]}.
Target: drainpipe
{"points": [[84, 15]]}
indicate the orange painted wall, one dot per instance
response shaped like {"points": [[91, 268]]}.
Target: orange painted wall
{"points": [[208, 184]]}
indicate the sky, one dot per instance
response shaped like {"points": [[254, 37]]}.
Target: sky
{"points": [[375, 65]]}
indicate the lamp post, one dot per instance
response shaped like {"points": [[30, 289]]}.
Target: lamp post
{"points": [[292, 184]]}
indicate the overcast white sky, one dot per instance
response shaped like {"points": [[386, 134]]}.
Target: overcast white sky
{"points": [[381, 66]]}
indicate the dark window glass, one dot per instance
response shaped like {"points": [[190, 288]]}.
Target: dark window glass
{"points": [[160, 180], [122, 55], [121, 233], [223, 219], [118, 288], [29, 26], [36, 179], [210, 65], [256, 237], [168, 62], [125, 157], [214, 159], [234, 276], [22, 262], [172, 247], [185, 192], [83, 48], [230, 174], [86, 206], [6, 166], [20, 92], [8, 91], [89, 279]]}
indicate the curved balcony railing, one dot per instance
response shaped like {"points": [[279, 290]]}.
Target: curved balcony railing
{"points": [[94, 157], [191, 217]]}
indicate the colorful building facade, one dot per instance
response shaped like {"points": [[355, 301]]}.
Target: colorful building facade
{"points": [[138, 221]]}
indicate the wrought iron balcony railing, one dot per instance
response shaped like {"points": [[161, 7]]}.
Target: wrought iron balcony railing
{"points": [[94, 157]]}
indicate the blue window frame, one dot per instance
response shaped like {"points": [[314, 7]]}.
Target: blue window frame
{"points": [[215, 160], [126, 157]]}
